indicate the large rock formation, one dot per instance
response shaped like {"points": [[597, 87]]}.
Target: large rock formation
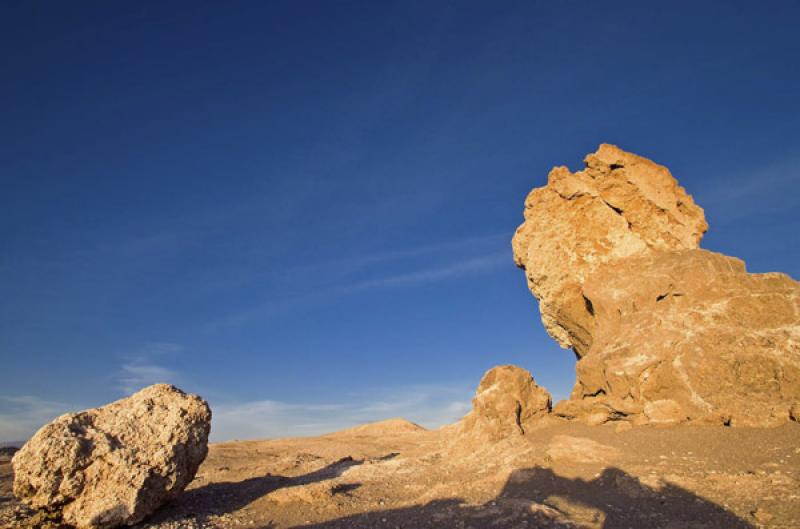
{"points": [[664, 332], [116, 464], [507, 402], [621, 205]]}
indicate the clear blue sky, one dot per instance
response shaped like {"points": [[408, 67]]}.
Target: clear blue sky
{"points": [[303, 210]]}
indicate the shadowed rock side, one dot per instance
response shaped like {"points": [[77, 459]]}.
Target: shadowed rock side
{"points": [[664, 332], [115, 464]]}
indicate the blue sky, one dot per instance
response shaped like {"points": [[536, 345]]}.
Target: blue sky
{"points": [[303, 210]]}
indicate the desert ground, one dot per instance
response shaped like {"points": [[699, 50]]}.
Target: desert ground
{"points": [[563, 474]]}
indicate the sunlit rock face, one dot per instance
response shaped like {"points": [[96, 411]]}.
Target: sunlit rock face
{"points": [[507, 403], [621, 205], [115, 465], [664, 332]]}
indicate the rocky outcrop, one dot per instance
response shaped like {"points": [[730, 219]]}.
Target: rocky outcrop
{"points": [[116, 464], [507, 403], [620, 206], [664, 332]]}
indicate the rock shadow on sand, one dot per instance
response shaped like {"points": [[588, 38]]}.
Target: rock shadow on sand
{"points": [[228, 497], [539, 498]]}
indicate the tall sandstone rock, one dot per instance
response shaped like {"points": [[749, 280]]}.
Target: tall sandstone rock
{"points": [[663, 331]]}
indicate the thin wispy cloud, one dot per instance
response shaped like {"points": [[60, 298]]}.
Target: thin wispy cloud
{"points": [[440, 271], [22, 415], [136, 376], [469, 245], [145, 367], [345, 268], [768, 188], [430, 406], [448, 271]]}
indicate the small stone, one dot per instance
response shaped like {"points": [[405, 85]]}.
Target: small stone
{"points": [[794, 412], [761, 515]]}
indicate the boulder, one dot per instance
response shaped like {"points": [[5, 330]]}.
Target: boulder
{"points": [[664, 332], [507, 403], [116, 464]]}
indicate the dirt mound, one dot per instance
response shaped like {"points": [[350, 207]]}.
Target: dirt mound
{"points": [[394, 426]]}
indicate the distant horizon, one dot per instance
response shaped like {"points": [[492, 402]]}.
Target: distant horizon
{"points": [[303, 212]]}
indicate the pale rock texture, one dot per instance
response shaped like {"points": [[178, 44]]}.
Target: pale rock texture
{"points": [[664, 332], [116, 464], [507, 403]]}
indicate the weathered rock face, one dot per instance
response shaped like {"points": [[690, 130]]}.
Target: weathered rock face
{"points": [[116, 464], [691, 335], [507, 403], [620, 206], [664, 332]]}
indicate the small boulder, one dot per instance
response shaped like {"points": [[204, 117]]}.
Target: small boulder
{"points": [[508, 402], [116, 464]]}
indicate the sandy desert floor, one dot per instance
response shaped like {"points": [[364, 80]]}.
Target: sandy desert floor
{"points": [[563, 474]]}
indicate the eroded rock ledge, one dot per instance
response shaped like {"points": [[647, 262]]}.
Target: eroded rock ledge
{"points": [[663, 331]]}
